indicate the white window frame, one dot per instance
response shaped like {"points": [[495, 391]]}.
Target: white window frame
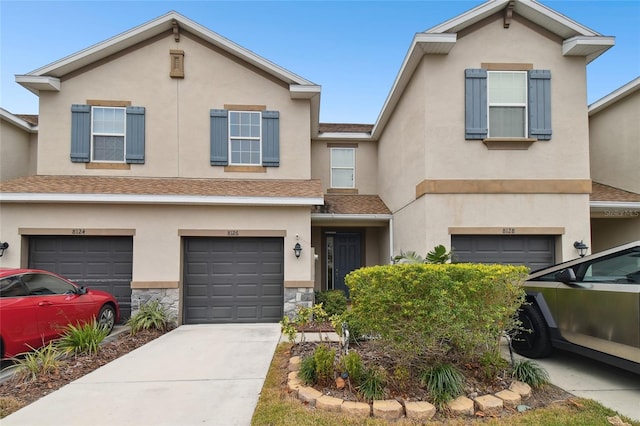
{"points": [[237, 138], [524, 105], [123, 134], [352, 167]]}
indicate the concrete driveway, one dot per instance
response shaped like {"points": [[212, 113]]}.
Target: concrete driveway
{"points": [[196, 374], [612, 387]]}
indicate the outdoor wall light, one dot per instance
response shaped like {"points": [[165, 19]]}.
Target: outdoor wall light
{"points": [[3, 247], [297, 249], [581, 247]]}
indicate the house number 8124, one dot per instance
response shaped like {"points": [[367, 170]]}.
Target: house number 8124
{"points": [[78, 231]]}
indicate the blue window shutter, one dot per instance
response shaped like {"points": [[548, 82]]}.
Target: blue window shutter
{"points": [[270, 138], [475, 104], [219, 137], [80, 133], [135, 135], [540, 104]]}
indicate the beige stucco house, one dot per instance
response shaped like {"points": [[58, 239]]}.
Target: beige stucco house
{"points": [[18, 147], [227, 199]]}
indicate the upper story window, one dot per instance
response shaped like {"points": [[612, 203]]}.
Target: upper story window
{"points": [[343, 167], [245, 137], [507, 97], [507, 104], [108, 134]]}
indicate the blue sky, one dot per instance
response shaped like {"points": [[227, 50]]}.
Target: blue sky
{"points": [[353, 49]]}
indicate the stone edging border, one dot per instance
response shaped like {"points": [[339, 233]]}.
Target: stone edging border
{"points": [[489, 404]]}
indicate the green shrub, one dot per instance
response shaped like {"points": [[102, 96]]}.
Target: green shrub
{"points": [[82, 338], [307, 372], [40, 361], [151, 315], [334, 302], [530, 373], [324, 360], [351, 363], [444, 383], [428, 310], [353, 325], [492, 364], [374, 380]]}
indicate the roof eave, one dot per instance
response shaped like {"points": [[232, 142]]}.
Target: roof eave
{"points": [[422, 44], [157, 199], [589, 46], [152, 28], [17, 121], [613, 97], [36, 84]]}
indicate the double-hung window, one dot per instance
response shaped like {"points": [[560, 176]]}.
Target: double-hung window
{"points": [[507, 97], [343, 167], [107, 134], [108, 129], [245, 138], [508, 104]]}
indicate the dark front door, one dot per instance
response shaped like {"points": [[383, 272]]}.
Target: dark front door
{"points": [[346, 257]]}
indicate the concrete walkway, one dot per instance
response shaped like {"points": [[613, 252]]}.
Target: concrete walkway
{"points": [[196, 374], [610, 386]]}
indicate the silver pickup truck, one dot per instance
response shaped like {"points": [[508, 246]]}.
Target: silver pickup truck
{"points": [[590, 305]]}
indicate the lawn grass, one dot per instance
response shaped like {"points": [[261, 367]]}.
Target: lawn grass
{"points": [[277, 407]]}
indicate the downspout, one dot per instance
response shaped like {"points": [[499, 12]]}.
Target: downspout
{"points": [[390, 239]]}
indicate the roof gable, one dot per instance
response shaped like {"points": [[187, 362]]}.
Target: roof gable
{"points": [[47, 77], [578, 40]]}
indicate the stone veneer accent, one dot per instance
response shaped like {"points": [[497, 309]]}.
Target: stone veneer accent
{"points": [[394, 410], [294, 297], [168, 297]]}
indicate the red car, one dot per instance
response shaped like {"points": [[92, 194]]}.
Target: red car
{"points": [[36, 306]]}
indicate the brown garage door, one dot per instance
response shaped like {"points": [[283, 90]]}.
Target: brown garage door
{"points": [[233, 280], [101, 263], [534, 251]]}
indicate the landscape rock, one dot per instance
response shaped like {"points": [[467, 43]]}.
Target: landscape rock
{"points": [[521, 388], [489, 404], [509, 398], [307, 394], [388, 409], [461, 406], [356, 409], [329, 403], [294, 363], [419, 410]]}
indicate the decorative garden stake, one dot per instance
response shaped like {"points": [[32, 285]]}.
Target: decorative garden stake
{"points": [[344, 344]]}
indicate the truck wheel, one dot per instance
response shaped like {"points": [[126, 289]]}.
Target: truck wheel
{"points": [[533, 339]]}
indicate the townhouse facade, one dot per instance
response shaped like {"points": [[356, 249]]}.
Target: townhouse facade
{"points": [[229, 201]]}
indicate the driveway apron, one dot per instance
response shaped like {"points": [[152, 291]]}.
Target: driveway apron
{"points": [[195, 374]]}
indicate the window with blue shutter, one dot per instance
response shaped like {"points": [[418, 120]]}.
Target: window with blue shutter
{"points": [[107, 134], [495, 104], [244, 138]]}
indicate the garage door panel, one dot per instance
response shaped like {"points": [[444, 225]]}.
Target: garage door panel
{"points": [[534, 251], [99, 263], [243, 276]]}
